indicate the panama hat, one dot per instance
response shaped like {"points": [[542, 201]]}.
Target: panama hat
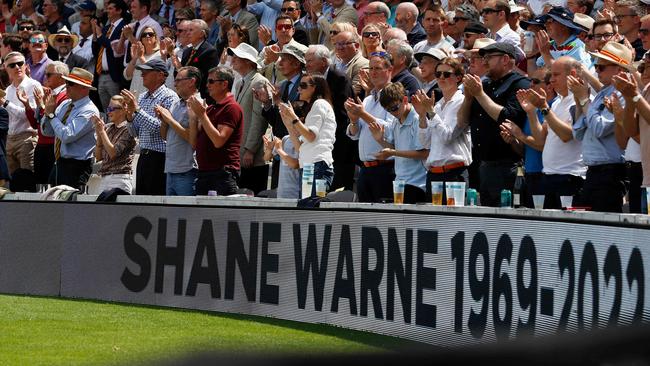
{"points": [[616, 53], [81, 77], [63, 32], [245, 51]]}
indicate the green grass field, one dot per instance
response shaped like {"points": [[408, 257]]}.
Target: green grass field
{"points": [[51, 331]]}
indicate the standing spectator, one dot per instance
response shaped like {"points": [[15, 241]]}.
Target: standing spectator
{"points": [[231, 14], [339, 12], [402, 55], [495, 17], [289, 180], [450, 148], [201, 55], [86, 8], [63, 41], [375, 176], [109, 80], [345, 150], [644, 32], [406, 18], [487, 104], [236, 36], [140, 112], [377, 12], [347, 50], [132, 32], [147, 49], [180, 161], [476, 65], [209, 14], [266, 11], [292, 9], [217, 135], [4, 127], [472, 32], [38, 59], [628, 15], [370, 40], [84, 48], [315, 136], [167, 12], [10, 43], [267, 58], [561, 39], [115, 148], [53, 12], [433, 21], [254, 171], [604, 188], [428, 63], [21, 137], [70, 124], [400, 140]]}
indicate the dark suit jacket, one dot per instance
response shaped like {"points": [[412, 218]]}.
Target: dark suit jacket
{"points": [[300, 34], [116, 68], [4, 128], [341, 89], [204, 59], [272, 115]]}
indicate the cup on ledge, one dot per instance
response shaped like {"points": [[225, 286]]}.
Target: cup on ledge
{"points": [[436, 193], [321, 187], [538, 201], [459, 193], [566, 201], [398, 191], [212, 193]]}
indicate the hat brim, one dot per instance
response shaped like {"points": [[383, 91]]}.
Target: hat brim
{"points": [[149, 68], [52, 38], [567, 23], [606, 58], [300, 59], [525, 24], [235, 52], [66, 78]]}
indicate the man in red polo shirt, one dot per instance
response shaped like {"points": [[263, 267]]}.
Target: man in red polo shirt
{"points": [[215, 134]]}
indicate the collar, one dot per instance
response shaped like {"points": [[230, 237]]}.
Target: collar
{"points": [[410, 118], [566, 45], [198, 45], [236, 16], [155, 92], [58, 89], [228, 99], [117, 22], [295, 79], [43, 60], [504, 30]]}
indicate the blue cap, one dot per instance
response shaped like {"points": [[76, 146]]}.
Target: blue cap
{"points": [[87, 5], [155, 65]]}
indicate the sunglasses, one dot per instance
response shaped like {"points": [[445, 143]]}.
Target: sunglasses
{"points": [[110, 109], [212, 81], [284, 27], [304, 85], [456, 19], [148, 35], [601, 68], [63, 39], [13, 65], [444, 74], [370, 34], [25, 27], [287, 10], [36, 40], [644, 31], [334, 32], [535, 81], [394, 108], [49, 74]]}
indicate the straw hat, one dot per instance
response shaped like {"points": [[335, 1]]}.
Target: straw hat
{"points": [[63, 32], [585, 21], [616, 53], [81, 77]]}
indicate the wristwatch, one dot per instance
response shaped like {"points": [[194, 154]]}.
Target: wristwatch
{"points": [[636, 98], [136, 111], [50, 115], [584, 102], [544, 111]]}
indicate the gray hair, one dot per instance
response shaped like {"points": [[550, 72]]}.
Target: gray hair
{"points": [[403, 49], [211, 4], [410, 8], [320, 51], [224, 73], [60, 68], [203, 26], [380, 6], [394, 33]]}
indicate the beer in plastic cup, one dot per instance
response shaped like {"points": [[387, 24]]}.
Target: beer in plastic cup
{"points": [[436, 193], [398, 191], [321, 187], [450, 190]]}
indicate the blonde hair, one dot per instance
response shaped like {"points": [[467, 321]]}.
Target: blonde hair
{"points": [[369, 28]]}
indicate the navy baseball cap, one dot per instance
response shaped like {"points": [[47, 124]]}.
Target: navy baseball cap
{"points": [[155, 65]]}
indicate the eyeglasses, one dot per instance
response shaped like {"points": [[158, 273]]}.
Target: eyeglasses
{"points": [[457, 19], [644, 31], [603, 36], [36, 40], [602, 67], [212, 81], [25, 27], [304, 85], [63, 39], [488, 57], [489, 10], [284, 27], [444, 74], [535, 81], [287, 10], [394, 108], [370, 34], [13, 65], [49, 74], [334, 32], [111, 108], [148, 35], [343, 44]]}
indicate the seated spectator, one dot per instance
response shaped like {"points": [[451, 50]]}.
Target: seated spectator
{"points": [[115, 148]]}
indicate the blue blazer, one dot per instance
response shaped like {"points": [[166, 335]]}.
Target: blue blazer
{"points": [[116, 68]]}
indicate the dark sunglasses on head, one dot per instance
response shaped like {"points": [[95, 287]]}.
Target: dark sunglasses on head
{"points": [[304, 85], [16, 64], [370, 34], [212, 81], [394, 108], [444, 74], [110, 109], [286, 10], [284, 27], [148, 35], [63, 39], [25, 27]]}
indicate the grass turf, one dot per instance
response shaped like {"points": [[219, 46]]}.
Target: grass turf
{"points": [[52, 331]]}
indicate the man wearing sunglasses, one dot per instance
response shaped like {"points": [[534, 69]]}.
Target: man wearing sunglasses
{"points": [[21, 138], [284, 30], [39, 58], [63, 41], [495, 17]]}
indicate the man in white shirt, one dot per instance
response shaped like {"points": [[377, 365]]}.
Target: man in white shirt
{"points": [[495, 16], [21, 138], [563, 170], [85, 46], [433, 21]]}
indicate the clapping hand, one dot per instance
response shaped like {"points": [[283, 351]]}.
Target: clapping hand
{"points": [[384, 154], [198, 107], [131, 103], [97, 122], [626, 84], [473, 85], [354, 109], [422, 103], [543, 42], [287, 113], [264, 34], [578, 87], [613, 104], [50, 103], [22, 97], [163, 113], [377, 130], [509, 129]]}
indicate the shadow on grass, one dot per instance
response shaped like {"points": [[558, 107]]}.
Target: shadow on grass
{"points": [[389, 343]]}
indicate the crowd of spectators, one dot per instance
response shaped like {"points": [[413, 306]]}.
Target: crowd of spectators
{"points": [[224, 95]]}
